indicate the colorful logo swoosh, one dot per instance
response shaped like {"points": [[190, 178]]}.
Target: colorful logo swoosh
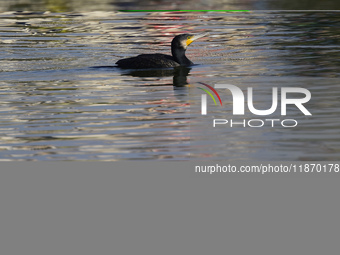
{"points": [[208, 92]]}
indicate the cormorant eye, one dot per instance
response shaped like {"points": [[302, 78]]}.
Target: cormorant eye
{"points": [[189, 37]]}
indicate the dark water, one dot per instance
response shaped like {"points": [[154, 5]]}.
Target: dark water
{"points": [[62, 99]]}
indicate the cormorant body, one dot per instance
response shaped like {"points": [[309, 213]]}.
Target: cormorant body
{"points": [[178, 47]]}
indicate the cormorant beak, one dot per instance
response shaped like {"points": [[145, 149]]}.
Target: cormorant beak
{"points": [[192, 38]]}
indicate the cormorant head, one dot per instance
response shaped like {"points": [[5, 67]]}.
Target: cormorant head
{"points": [[182, 41]]}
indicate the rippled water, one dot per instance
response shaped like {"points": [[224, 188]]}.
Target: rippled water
{"points": [[62, 98]]}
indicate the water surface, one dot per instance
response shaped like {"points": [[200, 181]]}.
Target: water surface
{"points": [[62, 98]]}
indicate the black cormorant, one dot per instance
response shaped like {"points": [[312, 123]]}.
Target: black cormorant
{"points": [[178, 47]]}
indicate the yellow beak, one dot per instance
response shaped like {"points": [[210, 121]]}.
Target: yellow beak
{"points": [[195, 37]]}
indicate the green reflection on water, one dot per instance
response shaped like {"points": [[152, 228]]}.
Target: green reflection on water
{"points": [[57, 5]]}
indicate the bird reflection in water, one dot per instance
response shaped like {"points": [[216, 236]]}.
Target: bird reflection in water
{"points": [[179, 74]]}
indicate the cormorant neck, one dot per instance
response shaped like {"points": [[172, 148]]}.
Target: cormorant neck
{"points": [[179, 56]]}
